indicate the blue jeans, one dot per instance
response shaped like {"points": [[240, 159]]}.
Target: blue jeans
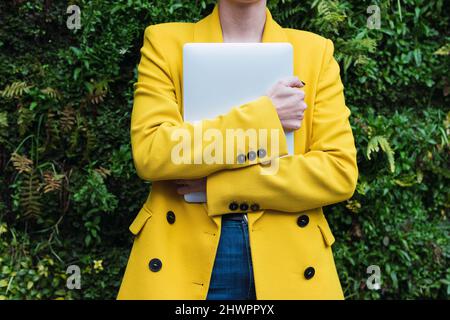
{"points": [[232, 275]]}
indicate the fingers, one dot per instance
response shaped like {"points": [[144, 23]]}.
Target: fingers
{"points": [[284, 85], [185, 190], [188, 182], [189, 186], [292, 81], [294, 93], [291, 93], [289, 102], [291, 124]]}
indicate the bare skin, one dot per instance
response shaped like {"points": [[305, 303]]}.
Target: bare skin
{"points": [[243, 21]]}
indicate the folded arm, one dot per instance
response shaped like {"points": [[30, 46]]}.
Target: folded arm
{"points": [[158, 130], [326, 174]]}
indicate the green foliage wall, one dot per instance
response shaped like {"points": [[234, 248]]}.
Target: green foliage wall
{"points": [[68, 190]]}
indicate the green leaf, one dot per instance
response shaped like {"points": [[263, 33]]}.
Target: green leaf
{"points": [[76, 73], [380, 141], [3, 283]]}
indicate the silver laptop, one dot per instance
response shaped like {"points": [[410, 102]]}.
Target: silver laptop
{"points": [[219, 76]]}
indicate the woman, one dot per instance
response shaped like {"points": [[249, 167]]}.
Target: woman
{"points": [[281, 248]]}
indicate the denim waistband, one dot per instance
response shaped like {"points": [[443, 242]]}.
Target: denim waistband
{"points": [[233, 216]]}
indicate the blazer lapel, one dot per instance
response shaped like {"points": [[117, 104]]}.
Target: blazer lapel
{"points": [[209, 29]]}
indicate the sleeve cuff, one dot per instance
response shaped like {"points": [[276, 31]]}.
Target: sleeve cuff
{"points": [[271, 139]]}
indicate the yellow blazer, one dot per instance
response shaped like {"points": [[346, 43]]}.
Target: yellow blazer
{"points": [[175, 242]]}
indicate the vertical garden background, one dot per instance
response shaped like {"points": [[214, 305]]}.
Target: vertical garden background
{"points": [[68, 189]]}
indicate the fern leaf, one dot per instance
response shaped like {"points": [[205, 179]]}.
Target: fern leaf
{"points": [[330, 11], [374, 146], [68, 119], [16, 89], [52, 182], [3, 119], [97, 92], [52, 93], [103, 172], [21, 163], [30, 195]]}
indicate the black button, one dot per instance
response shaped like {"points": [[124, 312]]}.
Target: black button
{"points": [[155, 265], [170, 217], [261, 153], [251, 155], [241, 158], [254, 207], [303, 221], [243, 206], [309, 273], [233, 206]]}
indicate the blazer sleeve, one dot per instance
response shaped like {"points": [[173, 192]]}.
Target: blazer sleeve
{"points": [[158, 130], [326, 174]]}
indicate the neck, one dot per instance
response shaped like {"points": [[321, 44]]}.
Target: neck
{"points": [[242, 22]]}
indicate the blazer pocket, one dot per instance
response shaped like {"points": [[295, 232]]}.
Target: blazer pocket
{"points": [[140, 220], [326, 232]]}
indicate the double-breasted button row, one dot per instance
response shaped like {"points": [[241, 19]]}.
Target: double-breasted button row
{"points": [[303, 221], [244, 206], [155, 265], [251, 155]]}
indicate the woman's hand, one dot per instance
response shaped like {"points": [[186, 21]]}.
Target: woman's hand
{"points": [[189, 186], [289, 102]]}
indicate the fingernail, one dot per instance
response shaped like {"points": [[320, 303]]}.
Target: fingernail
{"points": [[303, 82]]}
